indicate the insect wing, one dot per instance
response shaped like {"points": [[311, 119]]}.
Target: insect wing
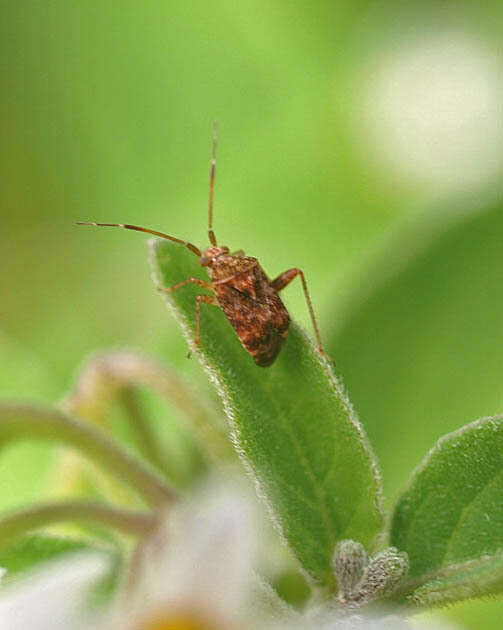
{"points": [[253, 308]]}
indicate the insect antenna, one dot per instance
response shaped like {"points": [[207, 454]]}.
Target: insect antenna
{"points": [[211, 234], [127, 226]]}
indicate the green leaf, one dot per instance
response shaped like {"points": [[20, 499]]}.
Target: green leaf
{"points": [[31, 550], [475, 578], [452, 513], [292, 425]]}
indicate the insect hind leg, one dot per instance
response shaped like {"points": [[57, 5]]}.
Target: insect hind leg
{"points": [[284, 280]]}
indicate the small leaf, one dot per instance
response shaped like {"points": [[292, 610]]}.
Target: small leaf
{"points": [[291, 424], [452, 513], [31, 550], [475, 578]]}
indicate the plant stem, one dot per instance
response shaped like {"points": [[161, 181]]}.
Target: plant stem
{"points": [[127, 521], [29, 422], [106, 374], [147, 443]]}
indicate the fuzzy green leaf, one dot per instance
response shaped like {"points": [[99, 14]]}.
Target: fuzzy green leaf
{"points": [[291, 424], [475, 578], [450, 520]]}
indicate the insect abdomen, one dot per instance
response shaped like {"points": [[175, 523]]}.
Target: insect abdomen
{"points": [[255, 311], [265, 349], [262, 330]]}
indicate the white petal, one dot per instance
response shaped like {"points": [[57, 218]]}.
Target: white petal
{"points": [[51, 598], [204, 559], [336, 621]]}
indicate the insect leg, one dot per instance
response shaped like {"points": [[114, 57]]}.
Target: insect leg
{"points": [[284, 280], [198, 281], [207, 299]]}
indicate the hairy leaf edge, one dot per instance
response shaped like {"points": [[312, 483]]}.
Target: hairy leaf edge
{"points": [[454, 583], [436, 448]]}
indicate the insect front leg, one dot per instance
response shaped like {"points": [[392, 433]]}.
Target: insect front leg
{"points": [[207, 299], [284, 280], [198, 281]]}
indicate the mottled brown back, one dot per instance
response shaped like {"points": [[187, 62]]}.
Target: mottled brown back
{"points": [[252, 306]]}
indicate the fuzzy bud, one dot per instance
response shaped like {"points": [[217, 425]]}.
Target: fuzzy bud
{"points": [[349, 562], [381, 576]]}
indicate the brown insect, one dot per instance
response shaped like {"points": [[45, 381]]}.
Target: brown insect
{"points": [[240, 287]]}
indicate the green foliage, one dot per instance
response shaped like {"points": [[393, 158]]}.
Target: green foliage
{"points": [[27, 421], [450, 520], [29, 551], [111, 111], [292, 425], [475, 578], [420, 343]]}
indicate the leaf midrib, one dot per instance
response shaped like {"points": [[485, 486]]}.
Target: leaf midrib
{"points": [[320, 497]]}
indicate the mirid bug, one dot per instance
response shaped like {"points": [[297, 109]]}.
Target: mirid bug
{"points": [[240, 288]]}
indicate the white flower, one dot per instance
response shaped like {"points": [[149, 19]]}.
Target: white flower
{"points": [[194, 573], [52, 598], [197, 572]]}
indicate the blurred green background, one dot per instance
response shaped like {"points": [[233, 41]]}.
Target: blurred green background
{"points": [[360, 141]]}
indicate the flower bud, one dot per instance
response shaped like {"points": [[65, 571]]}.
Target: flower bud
{"points": [[349, 562], [381, 576]]}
